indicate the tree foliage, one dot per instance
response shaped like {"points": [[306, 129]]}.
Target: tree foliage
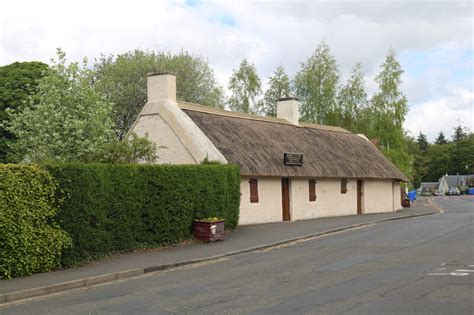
{"points": [[245, 86], [279, 87], [422, 142], [462, 155], [441, 139], [316, 86], [132, 149], [460, 133], [18, 81], [388, 108], [436, 162], [352, 102], [122, 80], [70, 121], [30, 239], [441, 158]]}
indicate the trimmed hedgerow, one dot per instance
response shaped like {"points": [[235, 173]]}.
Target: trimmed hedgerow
{"points": [[30, 240], [109, 208]]}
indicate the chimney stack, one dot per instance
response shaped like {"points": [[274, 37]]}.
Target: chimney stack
{"points": [[161, 86], [288, 109]]}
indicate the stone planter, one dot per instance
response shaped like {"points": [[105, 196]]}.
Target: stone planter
{"points": [[208, 231]]}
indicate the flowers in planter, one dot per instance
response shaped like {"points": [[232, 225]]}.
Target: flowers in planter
{"points": [[209, 220]]}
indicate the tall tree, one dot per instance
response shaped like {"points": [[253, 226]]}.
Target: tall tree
{"points": [[279, 87], [352, 102], [18, 81], [388, 109], [422, 142], [462, 155], [70, 121], [316, 86], [122, 80], [460, 133], [441, 139], [437, 162], [245, 86]]}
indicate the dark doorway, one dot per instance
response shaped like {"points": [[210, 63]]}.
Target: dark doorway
{"points": [[285, 198], [359, 196]]}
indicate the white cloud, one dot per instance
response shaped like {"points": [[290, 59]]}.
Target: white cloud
{"points": [[267, 33], [443, 114]]}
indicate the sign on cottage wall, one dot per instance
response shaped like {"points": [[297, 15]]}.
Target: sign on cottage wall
{"points": [[295, 159]]}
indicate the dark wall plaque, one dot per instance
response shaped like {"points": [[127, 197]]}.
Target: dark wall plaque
{"points": [[295, 159]]}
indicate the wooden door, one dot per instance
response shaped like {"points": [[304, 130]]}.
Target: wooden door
{"points": [[359, 196], [285, 198]]}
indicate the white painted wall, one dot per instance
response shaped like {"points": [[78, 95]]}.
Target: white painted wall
{"points": [[397, 196], [269, 206], [161, 133], [378, 196], [329, 200]]}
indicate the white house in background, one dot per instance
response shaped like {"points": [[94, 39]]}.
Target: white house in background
{"points": [[452, 181], [289, 170]]}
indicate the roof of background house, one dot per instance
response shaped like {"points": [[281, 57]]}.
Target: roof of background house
{"points": [[455, 180], [257, 144], [429, 184]]}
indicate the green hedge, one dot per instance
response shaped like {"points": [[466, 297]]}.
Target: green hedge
{"points": [[109, 208], [30, 240]]}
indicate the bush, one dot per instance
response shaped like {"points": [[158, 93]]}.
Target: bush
{"points": [[109, 208], [30, 240]]}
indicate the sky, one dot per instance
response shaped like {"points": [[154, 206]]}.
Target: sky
{"points": [[433, 41]]}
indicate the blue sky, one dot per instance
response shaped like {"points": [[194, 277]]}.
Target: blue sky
{"points": [[433, 40]]}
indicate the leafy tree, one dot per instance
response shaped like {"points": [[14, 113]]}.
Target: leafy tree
{"points": [[462, 155], [437, 162], [388, 108], [279, 87], [419, 167], [422, 142], [352, 102], [316, 86], [245, 86], [18, 81], [132, 149], [441, 139], [460, 133], [70, 121], [122, 80]]}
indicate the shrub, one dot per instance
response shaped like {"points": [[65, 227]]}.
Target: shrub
{"points": [[110, 208], [30, 240]]}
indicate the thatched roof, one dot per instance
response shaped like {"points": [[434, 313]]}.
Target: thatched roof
{"points": [[257, 144]]}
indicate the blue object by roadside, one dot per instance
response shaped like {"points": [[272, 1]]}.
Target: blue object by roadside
{"points": [[470, 191], [412, 195]]}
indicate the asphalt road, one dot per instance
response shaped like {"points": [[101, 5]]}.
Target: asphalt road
{"points": [[421, 265]]}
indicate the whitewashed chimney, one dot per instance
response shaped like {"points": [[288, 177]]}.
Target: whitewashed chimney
{"points": [[161, 86], [288, 109]]}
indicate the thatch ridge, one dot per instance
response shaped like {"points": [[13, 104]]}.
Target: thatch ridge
{"points": [[257, 144], [223, 112]]}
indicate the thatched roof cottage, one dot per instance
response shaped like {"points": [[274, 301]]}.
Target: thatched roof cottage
{"points": [[289, 170]]}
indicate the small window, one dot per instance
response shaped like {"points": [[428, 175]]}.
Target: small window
{"points": [[253, 190], [343, 186], [312, 190]]}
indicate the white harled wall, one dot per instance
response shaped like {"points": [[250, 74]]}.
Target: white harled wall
{"points": [[397, 196], [378, 196], [160, 132], [329, 200], [269, 206]]}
